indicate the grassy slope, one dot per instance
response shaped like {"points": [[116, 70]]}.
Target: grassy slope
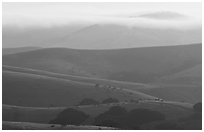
{"points": [[183, 86], [189, 76], [39, 90], [136, 65], [180, 93], [176, 92], [122, 84]]}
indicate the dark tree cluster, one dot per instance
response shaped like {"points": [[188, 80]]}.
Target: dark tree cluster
{"points": [[198, 107], [198, 112], [70, 116], [114, 117], [118, 117], [190, 122], [142, 116], [168, 126], [109, 100]]}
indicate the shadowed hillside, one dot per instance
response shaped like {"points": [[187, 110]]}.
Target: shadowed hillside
{"points": [[37, 90], [186, 92]]}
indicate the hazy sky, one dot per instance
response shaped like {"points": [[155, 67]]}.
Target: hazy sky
{"points": [[49, 14]]}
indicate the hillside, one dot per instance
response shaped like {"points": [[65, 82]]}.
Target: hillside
{"points": [[137, 64], [105, 82], [189, 76], [184, 86], [42, 91], [176, 91], [101, 66], [6, 51]]}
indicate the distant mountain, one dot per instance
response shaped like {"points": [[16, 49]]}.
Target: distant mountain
{"points": [[99, 36], [166, 15], [35, 36], [135, 65], [115, 36]]}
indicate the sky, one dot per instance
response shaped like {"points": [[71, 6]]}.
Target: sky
{"points": [[38, 23], [130, 14]]}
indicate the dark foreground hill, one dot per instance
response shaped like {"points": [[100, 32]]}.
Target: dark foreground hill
{"points": [[136, 65], [45, 114], [173, 113]]}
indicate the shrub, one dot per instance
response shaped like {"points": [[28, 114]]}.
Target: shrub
{"points": [[114, 117], [118, 117], [109, 100], [168, 126], [142, 116], [70, 116], [110, 123], [116, 111], [134, 101], [88, 101], [198, 107]]}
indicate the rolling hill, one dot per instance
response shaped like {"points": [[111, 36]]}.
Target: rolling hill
{"points": [[184, 86], [35, 88], [134, 65], [176, 91], [105, 82], [103, 66], [27, 89], [189, 76], [6, 51]]}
